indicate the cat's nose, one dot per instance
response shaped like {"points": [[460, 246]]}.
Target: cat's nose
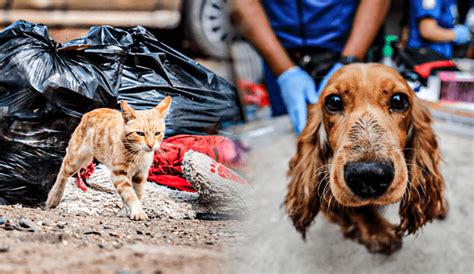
{"points": [[150, 145]]}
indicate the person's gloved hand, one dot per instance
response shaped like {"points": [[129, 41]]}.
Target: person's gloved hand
{"points": [[326, 78], [463, 35], [297, 89]]}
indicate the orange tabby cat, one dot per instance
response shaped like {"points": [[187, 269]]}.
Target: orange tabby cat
{"points": [[124, 142]]}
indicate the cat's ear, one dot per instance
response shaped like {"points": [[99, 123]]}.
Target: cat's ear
{"points": [[128, 113], [164, 106]]}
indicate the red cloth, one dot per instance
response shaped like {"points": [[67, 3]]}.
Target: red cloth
{"points": [[173, 181], [166, 169], [84, 174]]}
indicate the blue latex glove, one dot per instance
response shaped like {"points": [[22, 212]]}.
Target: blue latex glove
{"points": [[326, 78], [297, 89], [463, 35]]}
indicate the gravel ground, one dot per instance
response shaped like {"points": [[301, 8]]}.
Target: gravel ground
{"points": [[273, 245], [87, 234], [33, 240]]}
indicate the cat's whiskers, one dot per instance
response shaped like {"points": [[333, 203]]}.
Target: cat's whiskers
{"points": [[162, 153]]}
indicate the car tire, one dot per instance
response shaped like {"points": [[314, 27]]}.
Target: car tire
{"points": [[207, 27]]}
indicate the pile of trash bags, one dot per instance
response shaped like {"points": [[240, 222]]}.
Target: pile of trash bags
{"points": [[46, 87]]}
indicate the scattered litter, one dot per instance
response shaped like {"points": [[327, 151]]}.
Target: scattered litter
{"points": [[28, 225], [23, 224], [3, 220], [61, 225], [7, 225], [116, 235], [92, 232], [4, 248], [213, 216]]}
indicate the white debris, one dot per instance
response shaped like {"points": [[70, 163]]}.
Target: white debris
{"points": [[158, 201], [220, 189]]}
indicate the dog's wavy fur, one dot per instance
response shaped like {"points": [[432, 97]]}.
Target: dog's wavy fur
{"points": [[310, 189]]}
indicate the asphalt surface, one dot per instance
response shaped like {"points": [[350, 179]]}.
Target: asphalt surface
{"points": [[273, 246]]}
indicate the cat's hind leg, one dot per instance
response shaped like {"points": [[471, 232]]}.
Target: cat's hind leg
{"points": [[79, 154]]}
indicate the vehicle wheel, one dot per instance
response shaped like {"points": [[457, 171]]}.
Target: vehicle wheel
{"points": [[207, 26]]}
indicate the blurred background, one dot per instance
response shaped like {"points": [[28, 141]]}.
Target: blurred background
{"points": [[204, 30]]}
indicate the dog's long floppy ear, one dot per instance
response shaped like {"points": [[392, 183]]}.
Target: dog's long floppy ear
{"points": [[424, 199], [302, 201]]}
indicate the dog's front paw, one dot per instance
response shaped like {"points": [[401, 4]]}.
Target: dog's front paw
{"points": [[385, 242]]}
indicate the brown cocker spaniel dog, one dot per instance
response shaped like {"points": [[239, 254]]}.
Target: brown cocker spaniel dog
{"points": [[368, 143]]}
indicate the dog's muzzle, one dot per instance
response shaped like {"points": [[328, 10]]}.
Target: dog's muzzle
{"points": [[369, 179]]}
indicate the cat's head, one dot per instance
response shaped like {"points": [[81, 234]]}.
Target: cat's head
{"points": [[145, 129]]}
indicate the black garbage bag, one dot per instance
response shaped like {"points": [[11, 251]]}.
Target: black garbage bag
{"points": [[202, 101], [44, 90], [46, 87]]}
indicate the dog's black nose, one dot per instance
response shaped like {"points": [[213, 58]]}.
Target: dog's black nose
{"points": [[369, 179]]}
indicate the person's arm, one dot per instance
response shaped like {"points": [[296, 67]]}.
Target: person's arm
{"points": [[431, 31], [368, 19], [252, 23], [296, 85]]}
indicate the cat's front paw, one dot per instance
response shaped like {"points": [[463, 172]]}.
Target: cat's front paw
{"points": [[53, 200], [138, 215]]}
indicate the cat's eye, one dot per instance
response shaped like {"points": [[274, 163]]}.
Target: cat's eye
{"points": [[334, 103], [399, 102], [157, 133], [139, 133]]}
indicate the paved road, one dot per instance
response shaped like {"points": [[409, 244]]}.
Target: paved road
{"points": [[273, 245]]}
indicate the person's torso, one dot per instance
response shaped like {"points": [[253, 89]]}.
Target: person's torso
{"points": [[445, 16], [311, 23]]}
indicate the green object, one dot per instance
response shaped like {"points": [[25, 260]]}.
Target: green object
{"points": [[387, 48]]}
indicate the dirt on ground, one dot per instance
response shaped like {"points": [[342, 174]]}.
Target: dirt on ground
{"points": [[33, 240], [88, 234]]}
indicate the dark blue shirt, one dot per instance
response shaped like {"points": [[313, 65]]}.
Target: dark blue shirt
{"points": [[443, 11], [311, 23]]}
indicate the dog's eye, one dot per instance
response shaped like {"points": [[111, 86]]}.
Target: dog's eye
{"points": [[334, 103], [139, 133], [399, 102]]}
